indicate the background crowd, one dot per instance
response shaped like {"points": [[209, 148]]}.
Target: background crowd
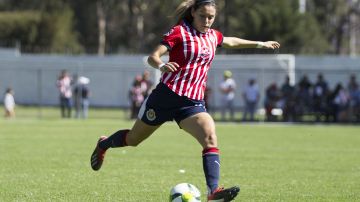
{"points": [[313, 101], [305, 101]]}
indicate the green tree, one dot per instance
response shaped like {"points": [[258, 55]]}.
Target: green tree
{"points": [[19, 27], [136, 26], [57, 33], [41, 25], [275, 20], [334, 21]]}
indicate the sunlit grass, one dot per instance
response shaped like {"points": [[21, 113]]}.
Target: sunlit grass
{"points": [[48, 160]]}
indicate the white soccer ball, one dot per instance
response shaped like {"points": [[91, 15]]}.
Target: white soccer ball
{"points": [[185, 192]]}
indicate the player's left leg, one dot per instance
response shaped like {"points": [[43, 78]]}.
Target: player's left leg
{"points": [[202, 127]]}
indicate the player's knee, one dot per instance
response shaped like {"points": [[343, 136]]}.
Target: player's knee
{"points": [[211, 140]]}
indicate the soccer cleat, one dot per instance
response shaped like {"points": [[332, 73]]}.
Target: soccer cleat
{"points": [[224, 195], [97, 157]]}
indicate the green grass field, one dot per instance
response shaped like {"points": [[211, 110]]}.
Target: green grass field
{"points": [[48, 160]]}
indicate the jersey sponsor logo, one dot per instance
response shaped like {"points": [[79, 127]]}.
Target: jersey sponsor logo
{"points": [[150, 115], [205, 53]]}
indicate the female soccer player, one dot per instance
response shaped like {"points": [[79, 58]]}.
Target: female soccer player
{"points": [[191, 45]]}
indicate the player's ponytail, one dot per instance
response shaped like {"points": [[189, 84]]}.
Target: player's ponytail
{"points": [[183, 11]]}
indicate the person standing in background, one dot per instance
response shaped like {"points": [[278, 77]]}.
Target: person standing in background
{"points": [[146, 83], [136, 95], [65, 93], [288, 100], [320, 94], [9, 103], [354, 93], [81, 97], [227, 89], [251, 97], [272, 97]]}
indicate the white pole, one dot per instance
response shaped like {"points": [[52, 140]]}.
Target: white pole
{"points": [[302, 6], [352, 41]]}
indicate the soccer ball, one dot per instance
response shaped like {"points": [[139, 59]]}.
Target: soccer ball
{"points": [[185, 192]]}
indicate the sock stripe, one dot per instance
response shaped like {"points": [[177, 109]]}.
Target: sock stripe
{"points": [[211, 150]]}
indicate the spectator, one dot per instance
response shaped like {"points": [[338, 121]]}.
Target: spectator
{"points": [[303, 97], [207, 95], [251, 97], [136, 96], [64, 85], [320, 92], [227, 89], [354, 93], [356, 108], [288, 101], [146, 83], [81, 97], [340, 100], [9, 103], [271, 101]]}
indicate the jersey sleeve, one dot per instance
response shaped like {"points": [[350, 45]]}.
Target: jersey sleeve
{"points": [[171, 38], [220, 37]]}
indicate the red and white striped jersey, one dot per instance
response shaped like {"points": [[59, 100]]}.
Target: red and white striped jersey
{"points": [[194, 52]]}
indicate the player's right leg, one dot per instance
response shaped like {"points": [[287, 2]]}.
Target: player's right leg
{"points": [[139, 132]]}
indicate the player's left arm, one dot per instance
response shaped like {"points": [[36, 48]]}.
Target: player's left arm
{"points": [[235, 42], [155, 61]]}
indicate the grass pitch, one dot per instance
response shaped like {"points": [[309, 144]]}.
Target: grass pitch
{"points": [[48, 160]]}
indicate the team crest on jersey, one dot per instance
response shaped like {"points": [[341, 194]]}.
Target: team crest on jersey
{"points": [[170, 32], [212, 39], [205, 52], [150, 115]]}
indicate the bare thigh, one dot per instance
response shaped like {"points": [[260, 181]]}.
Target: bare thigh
{"points": [[202, 127], [139, 132]]}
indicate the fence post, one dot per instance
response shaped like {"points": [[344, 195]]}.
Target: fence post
{"points": [[39, 92]]}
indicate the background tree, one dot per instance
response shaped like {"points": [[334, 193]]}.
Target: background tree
{"points": [[136, 26], [40, 25], [335, 21]]}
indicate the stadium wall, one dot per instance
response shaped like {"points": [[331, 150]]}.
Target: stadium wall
{"points": [[33, 77]]}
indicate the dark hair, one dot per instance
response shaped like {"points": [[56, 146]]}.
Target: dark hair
{"points": [[8, 90], [183, 11]]}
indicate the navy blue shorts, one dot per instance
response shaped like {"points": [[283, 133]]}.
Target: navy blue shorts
{"points": [[164, 105]]}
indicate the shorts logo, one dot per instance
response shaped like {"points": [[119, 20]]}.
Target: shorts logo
{"points": [[150, 115]]}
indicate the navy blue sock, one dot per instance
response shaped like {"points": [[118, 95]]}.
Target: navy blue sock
{"points": [[117, 139], [211, 166]]}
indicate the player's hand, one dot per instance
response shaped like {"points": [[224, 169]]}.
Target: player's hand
{"points": [[271, 44], [170, 67]]}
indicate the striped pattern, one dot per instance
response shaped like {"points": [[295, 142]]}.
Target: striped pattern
{"points": [[194, 52], [210, 150]]}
